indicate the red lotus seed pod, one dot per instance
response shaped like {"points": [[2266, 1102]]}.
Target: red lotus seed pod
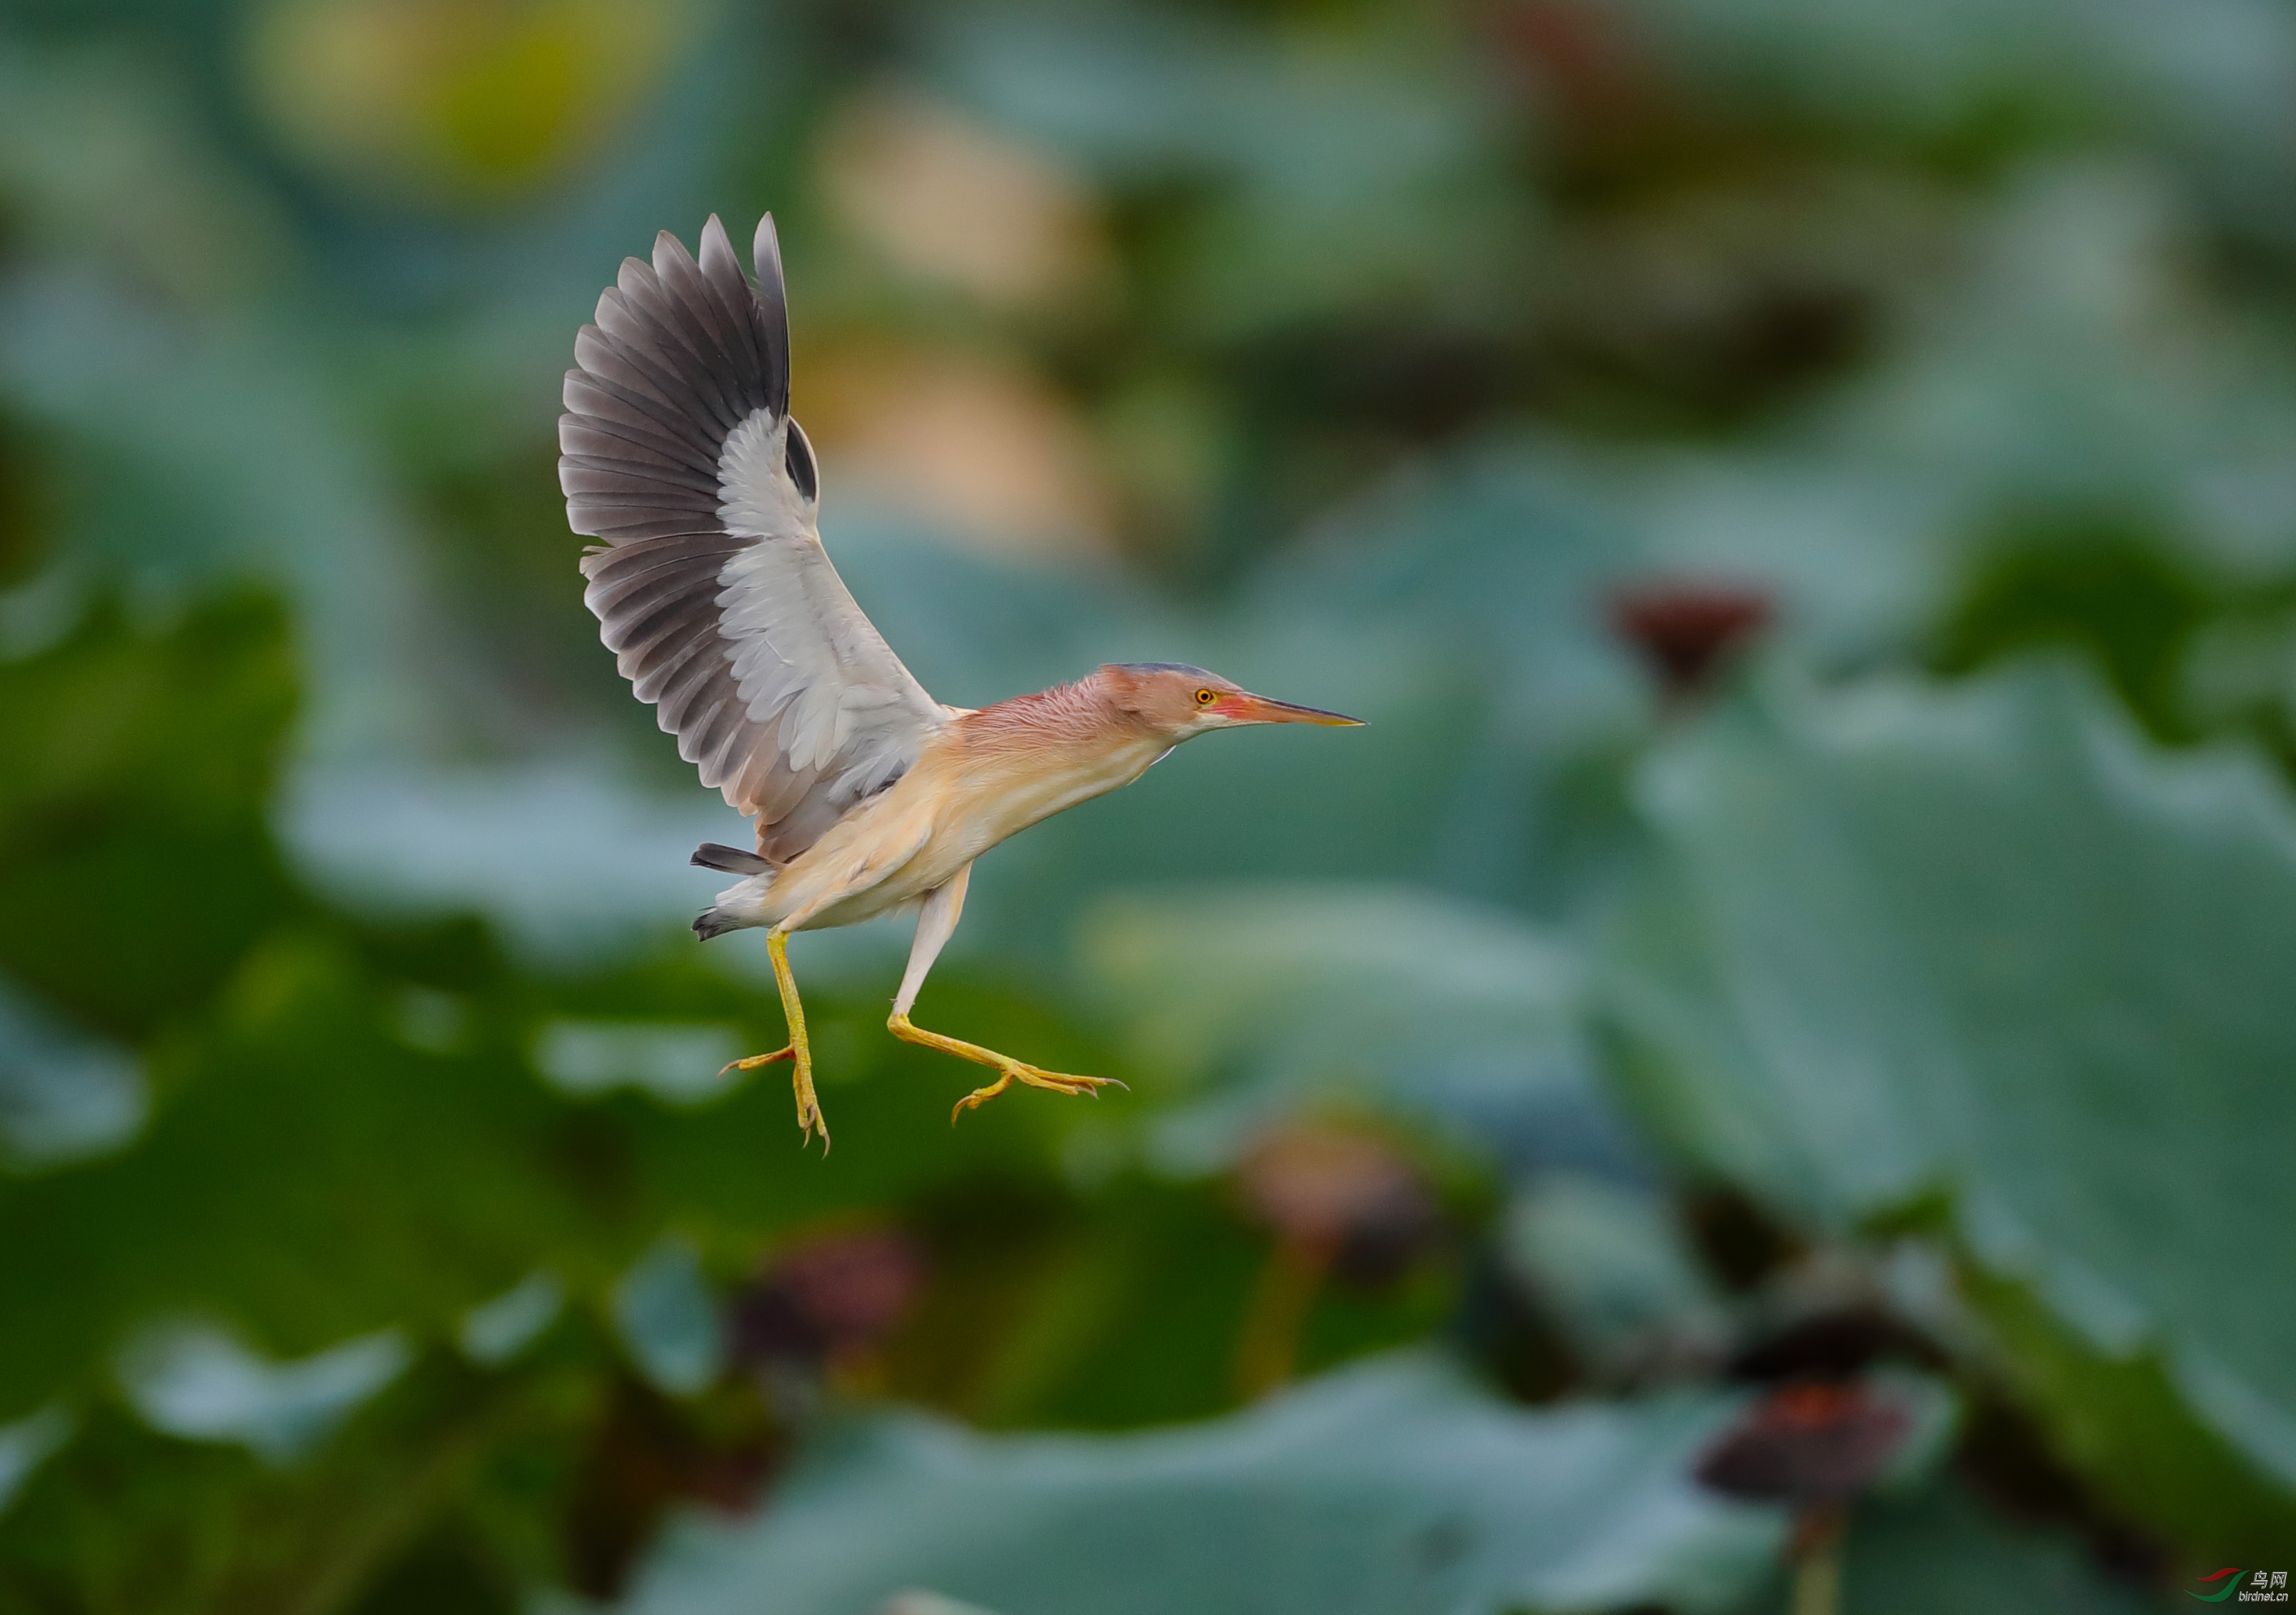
{"points": [[1685, 630], [1810, 1442], [1345, 1192], [828, 1296]]}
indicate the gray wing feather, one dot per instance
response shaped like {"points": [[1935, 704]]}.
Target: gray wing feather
{"points": [[710, 586]]}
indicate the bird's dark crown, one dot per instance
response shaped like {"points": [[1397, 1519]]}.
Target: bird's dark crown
{"points": [[1158, 666]]}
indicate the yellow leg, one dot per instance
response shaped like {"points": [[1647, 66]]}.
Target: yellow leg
{"points": [[1008, 1070], [808, 1107]]}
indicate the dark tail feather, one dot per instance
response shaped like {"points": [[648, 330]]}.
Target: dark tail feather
{"points": [[711, 923], [733, 860]]}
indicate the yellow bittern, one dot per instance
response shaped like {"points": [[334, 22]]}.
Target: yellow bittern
{"points": [[712, 590]]}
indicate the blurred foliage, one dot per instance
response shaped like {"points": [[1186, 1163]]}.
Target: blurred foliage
{"points": [[1982, 904], [1379, 1487], [1794, 968]]}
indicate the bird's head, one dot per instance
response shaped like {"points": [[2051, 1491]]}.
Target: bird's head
{"points": [[1178, 701]]}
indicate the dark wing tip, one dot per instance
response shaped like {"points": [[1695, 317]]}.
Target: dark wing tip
{"points": [[773, 307], [765, 253], [680, 353]]}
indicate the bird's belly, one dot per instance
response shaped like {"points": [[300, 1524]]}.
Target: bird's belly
{"points": [[885, 858], [936, 820], [903, 888]]}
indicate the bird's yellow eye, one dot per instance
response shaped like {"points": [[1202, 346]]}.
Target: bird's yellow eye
{"points": [[1205, 698]]}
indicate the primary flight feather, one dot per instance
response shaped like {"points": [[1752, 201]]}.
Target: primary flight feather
{"points": [[711, 587]]}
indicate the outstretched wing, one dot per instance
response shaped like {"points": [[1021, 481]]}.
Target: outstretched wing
{"points": [[712, 586]]}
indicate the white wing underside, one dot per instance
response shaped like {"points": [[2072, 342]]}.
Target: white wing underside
{"points": [[712, 588], [846, 715]]}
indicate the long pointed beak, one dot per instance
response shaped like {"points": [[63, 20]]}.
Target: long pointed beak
{"points": [[1258, 710]]}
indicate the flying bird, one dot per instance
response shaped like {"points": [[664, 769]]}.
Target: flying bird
{"points": [[711, 587]]}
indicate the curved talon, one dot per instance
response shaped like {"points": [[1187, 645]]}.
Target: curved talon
{"points": [[1035, 1076], [755, 1061], [808, 1107], [809, 1111], [1008, 1070], [808, 1123]]}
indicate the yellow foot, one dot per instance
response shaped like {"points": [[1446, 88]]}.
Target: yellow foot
{"points": [[1036, 1077], [1008, 1070], [808, 1107]]}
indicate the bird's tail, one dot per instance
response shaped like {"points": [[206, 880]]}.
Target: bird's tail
{"points": [[711, 855], [733, 860]]}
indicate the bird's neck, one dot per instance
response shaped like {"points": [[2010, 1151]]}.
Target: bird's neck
{"points": [[1028, 758]]}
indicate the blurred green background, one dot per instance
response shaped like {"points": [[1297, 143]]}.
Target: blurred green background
{"points": [[1768, 1072]]}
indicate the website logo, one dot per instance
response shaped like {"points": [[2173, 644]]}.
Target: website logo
{"points": [[2251, 1586]]}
